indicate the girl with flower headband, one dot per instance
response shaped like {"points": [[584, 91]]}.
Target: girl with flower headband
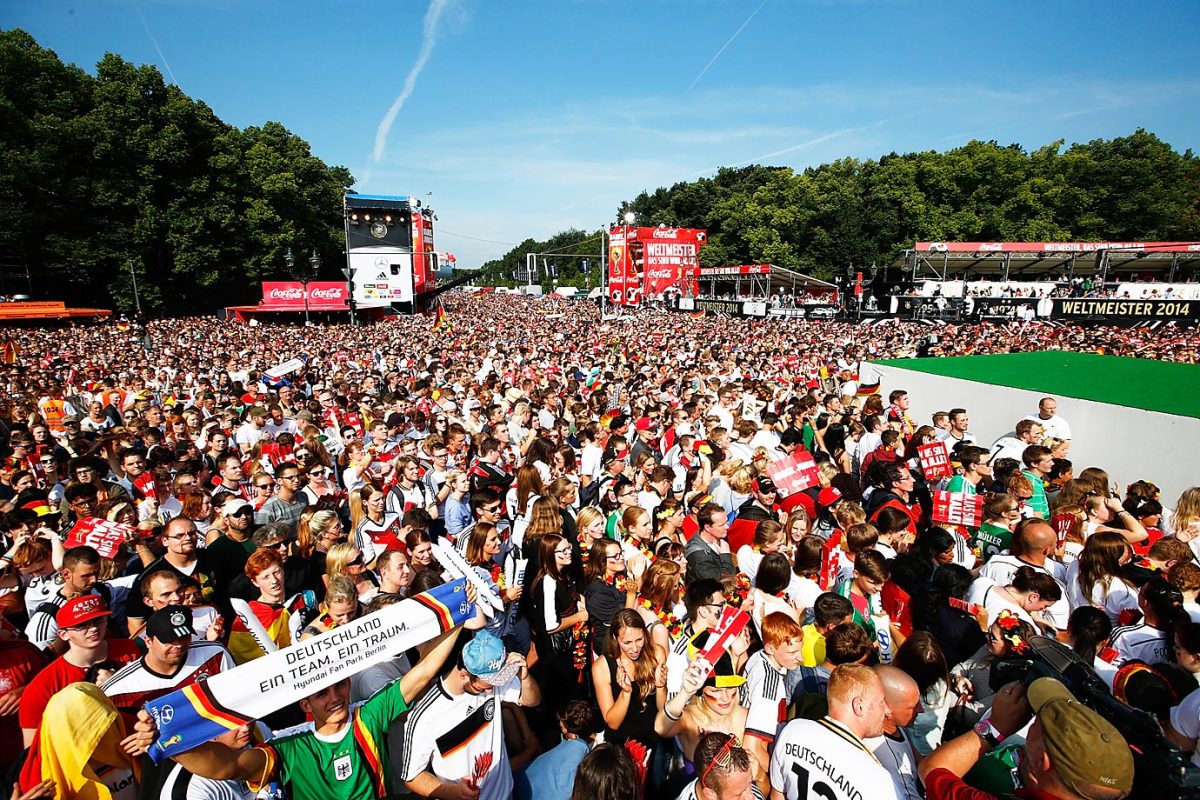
{"points": [[668, 523], [636, 532], [660, 593], [1007, 638]]}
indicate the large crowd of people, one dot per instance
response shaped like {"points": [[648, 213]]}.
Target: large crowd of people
{"points": [[674, 616]]}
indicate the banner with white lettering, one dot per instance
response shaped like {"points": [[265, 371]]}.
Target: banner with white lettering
{"points": [[935, 460], [195, 714], [795, 473], [957, 508], [106, 537]]}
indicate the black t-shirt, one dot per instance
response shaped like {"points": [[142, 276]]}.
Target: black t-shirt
{"points": [[209, 572]]}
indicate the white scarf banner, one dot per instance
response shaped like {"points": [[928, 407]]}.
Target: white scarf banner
{"points": [[202, 711]]}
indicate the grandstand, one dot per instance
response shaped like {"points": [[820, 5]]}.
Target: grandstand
{"points": [[1129, 262]]}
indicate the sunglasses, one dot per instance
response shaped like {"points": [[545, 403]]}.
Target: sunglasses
{"points": [[357, 562]]}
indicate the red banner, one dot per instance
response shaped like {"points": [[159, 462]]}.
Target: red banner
{"points": [[289, 295], [106, 537], [733, 621], [1054, 247], [422, 235], [743, 269], [645, 262], [957, 508], [794, 474], [935, 460], [1062, 524]]}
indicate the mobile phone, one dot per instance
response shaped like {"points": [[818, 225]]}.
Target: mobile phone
{"points": [[963, 605]]}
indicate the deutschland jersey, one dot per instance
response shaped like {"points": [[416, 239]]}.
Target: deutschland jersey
{"points": [[452, 736], [349, 765], [135, 684], [821, 758]]}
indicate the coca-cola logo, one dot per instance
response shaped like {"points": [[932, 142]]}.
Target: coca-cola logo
{"points": [[666, 233], [333, 293], [654, 274], [286, 294]]}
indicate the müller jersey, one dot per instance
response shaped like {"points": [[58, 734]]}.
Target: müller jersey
{"points": [[135, 684], [821, 758]]}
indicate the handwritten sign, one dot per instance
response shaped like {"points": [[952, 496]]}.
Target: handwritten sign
{"points": [[106, 537], [794, 474], [957, 508], [935, 460]]}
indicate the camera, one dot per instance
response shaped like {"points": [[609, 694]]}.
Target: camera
{"points": [[1161, 771]]}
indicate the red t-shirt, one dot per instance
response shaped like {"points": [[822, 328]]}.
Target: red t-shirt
{"points": [[942, 784], [20, 661], [59, 673], [1142, 548]]}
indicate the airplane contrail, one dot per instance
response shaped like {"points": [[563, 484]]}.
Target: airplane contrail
{"points": [[722, 50], [428, 40], [154, 42]]}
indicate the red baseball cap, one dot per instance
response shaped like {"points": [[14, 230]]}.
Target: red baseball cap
{"points": [[81, 609], [644, 424], [828, 496]]}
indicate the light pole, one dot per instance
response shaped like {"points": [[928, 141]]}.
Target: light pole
{"points": [[302, 274], [314, 261]]}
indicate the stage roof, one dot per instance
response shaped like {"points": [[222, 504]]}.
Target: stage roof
{"points": [[1025, 260], [16, 312]]}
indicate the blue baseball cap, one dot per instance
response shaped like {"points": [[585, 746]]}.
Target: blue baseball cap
{"points": [[485, 657]]}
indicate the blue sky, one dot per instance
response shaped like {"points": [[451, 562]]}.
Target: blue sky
{"points": [[528, 117]]}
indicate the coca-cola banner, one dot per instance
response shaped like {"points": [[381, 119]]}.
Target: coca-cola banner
{"points": [[669, 254], [290, 294]]}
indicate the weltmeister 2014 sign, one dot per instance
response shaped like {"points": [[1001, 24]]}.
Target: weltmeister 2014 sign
{"points": [[1126, 309]]}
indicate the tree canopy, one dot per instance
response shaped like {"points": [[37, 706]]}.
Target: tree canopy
{"points": [[851, 212], [100, 174]]}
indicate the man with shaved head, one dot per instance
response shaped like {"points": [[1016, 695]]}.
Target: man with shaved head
{"points": [[1034, 544], [893, 748], [827, 757]]}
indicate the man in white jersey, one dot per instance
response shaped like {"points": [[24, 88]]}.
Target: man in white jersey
{"points": [[1033, 545], [827, 758], [893, 747], [457, 722], [172, 661]]}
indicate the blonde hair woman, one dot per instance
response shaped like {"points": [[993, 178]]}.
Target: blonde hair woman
{"points": [[1185, 521], [339, 608]]}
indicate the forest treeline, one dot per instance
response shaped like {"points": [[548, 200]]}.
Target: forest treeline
{"points": [[116, 173]]}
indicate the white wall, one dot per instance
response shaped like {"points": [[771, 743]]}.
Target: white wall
{"points": [[1129, 443]]}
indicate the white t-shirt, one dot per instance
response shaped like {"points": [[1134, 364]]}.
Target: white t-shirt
{"points": [[804, 593], [986, 593], [821, 758], [765, 696], [1120, 595], [1143, 643], [1056, 426], [1185, 719], [445, 734], [896, 756], [1001, 569]]}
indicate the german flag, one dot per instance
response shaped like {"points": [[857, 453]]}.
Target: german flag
{"points": [[868, 389], [439, 320], [10, 352], [697, 315]]}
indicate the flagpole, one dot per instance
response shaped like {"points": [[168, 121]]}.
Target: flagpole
{"points": [[136, 300]]}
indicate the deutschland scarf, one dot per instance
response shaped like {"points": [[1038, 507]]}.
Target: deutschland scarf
{"points": [[195, 714]]}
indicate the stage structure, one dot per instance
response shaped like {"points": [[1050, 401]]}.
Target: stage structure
{"points": [[391, 261], [1005, 261], [644, 263]]}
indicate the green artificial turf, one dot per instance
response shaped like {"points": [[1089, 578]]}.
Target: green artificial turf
{"points": [[1132, 382]]}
